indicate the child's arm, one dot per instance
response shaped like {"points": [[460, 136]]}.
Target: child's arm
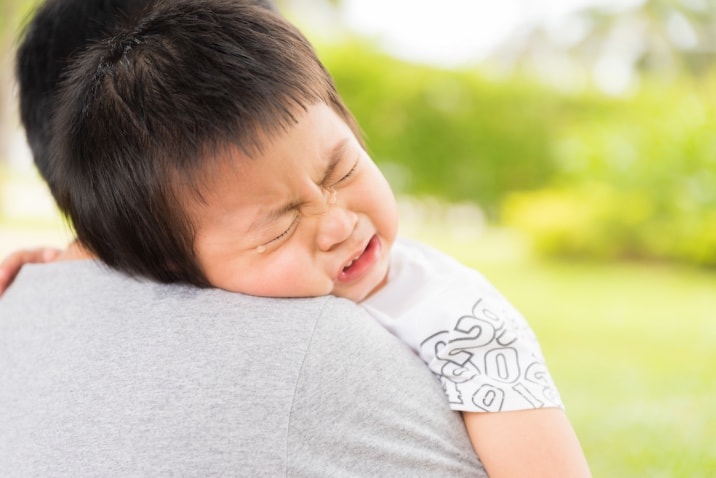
{"points": [[12, 264], [535, 443]]}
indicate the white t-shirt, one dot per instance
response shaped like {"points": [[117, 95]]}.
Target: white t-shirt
{"points": [[482, 349]]}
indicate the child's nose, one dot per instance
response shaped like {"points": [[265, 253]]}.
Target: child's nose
{"points": [[335, 226]]}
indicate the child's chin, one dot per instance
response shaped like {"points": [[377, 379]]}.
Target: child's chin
{"points": [[359, 296], [355, 294]]}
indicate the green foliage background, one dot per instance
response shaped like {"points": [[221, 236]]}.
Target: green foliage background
{"points": [[585, 175]]}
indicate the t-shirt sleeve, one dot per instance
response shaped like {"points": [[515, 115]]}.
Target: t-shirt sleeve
{"points": [[486, 355], [481, 348]]}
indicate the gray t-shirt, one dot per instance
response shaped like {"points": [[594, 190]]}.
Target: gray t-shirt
{"points": [[105, 375]]}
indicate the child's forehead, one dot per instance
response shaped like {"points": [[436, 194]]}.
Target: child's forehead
{"points": [[315, 142], [300, 121]]}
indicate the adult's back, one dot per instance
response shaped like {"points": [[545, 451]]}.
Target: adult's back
{"points": [[104, 375]]}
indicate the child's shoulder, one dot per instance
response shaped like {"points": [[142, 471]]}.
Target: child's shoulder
{"points": [[420, 256], [420, 267]]}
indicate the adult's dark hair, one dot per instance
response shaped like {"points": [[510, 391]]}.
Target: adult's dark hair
{"points": [[144, 114], [57, 30]]}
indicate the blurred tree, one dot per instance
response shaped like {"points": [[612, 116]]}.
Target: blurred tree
{"points": [[666, 34], [614, 47]]}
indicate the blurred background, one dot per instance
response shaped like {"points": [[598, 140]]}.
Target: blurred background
{"points": [[565, 148]]}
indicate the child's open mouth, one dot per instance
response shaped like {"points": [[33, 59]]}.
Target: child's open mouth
{"points": [[358, 266]]}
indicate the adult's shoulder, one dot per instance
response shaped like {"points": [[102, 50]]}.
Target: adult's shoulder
{"points": [[303, 387], [366, 405], [91, 283], [183, 380]]}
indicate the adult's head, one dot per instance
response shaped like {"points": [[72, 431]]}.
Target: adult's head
{"points": [[58, 30], [145, 113]]}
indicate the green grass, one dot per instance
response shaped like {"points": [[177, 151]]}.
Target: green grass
{"points": [[632, 348]]}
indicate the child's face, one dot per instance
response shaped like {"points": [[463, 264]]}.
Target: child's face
{"points": [[272, 226]]}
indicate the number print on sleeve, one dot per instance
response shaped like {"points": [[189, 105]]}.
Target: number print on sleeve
{"points": [[490, 361]]}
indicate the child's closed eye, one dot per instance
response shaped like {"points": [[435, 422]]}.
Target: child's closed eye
{"points": [[348, 175], [291, 227]]}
